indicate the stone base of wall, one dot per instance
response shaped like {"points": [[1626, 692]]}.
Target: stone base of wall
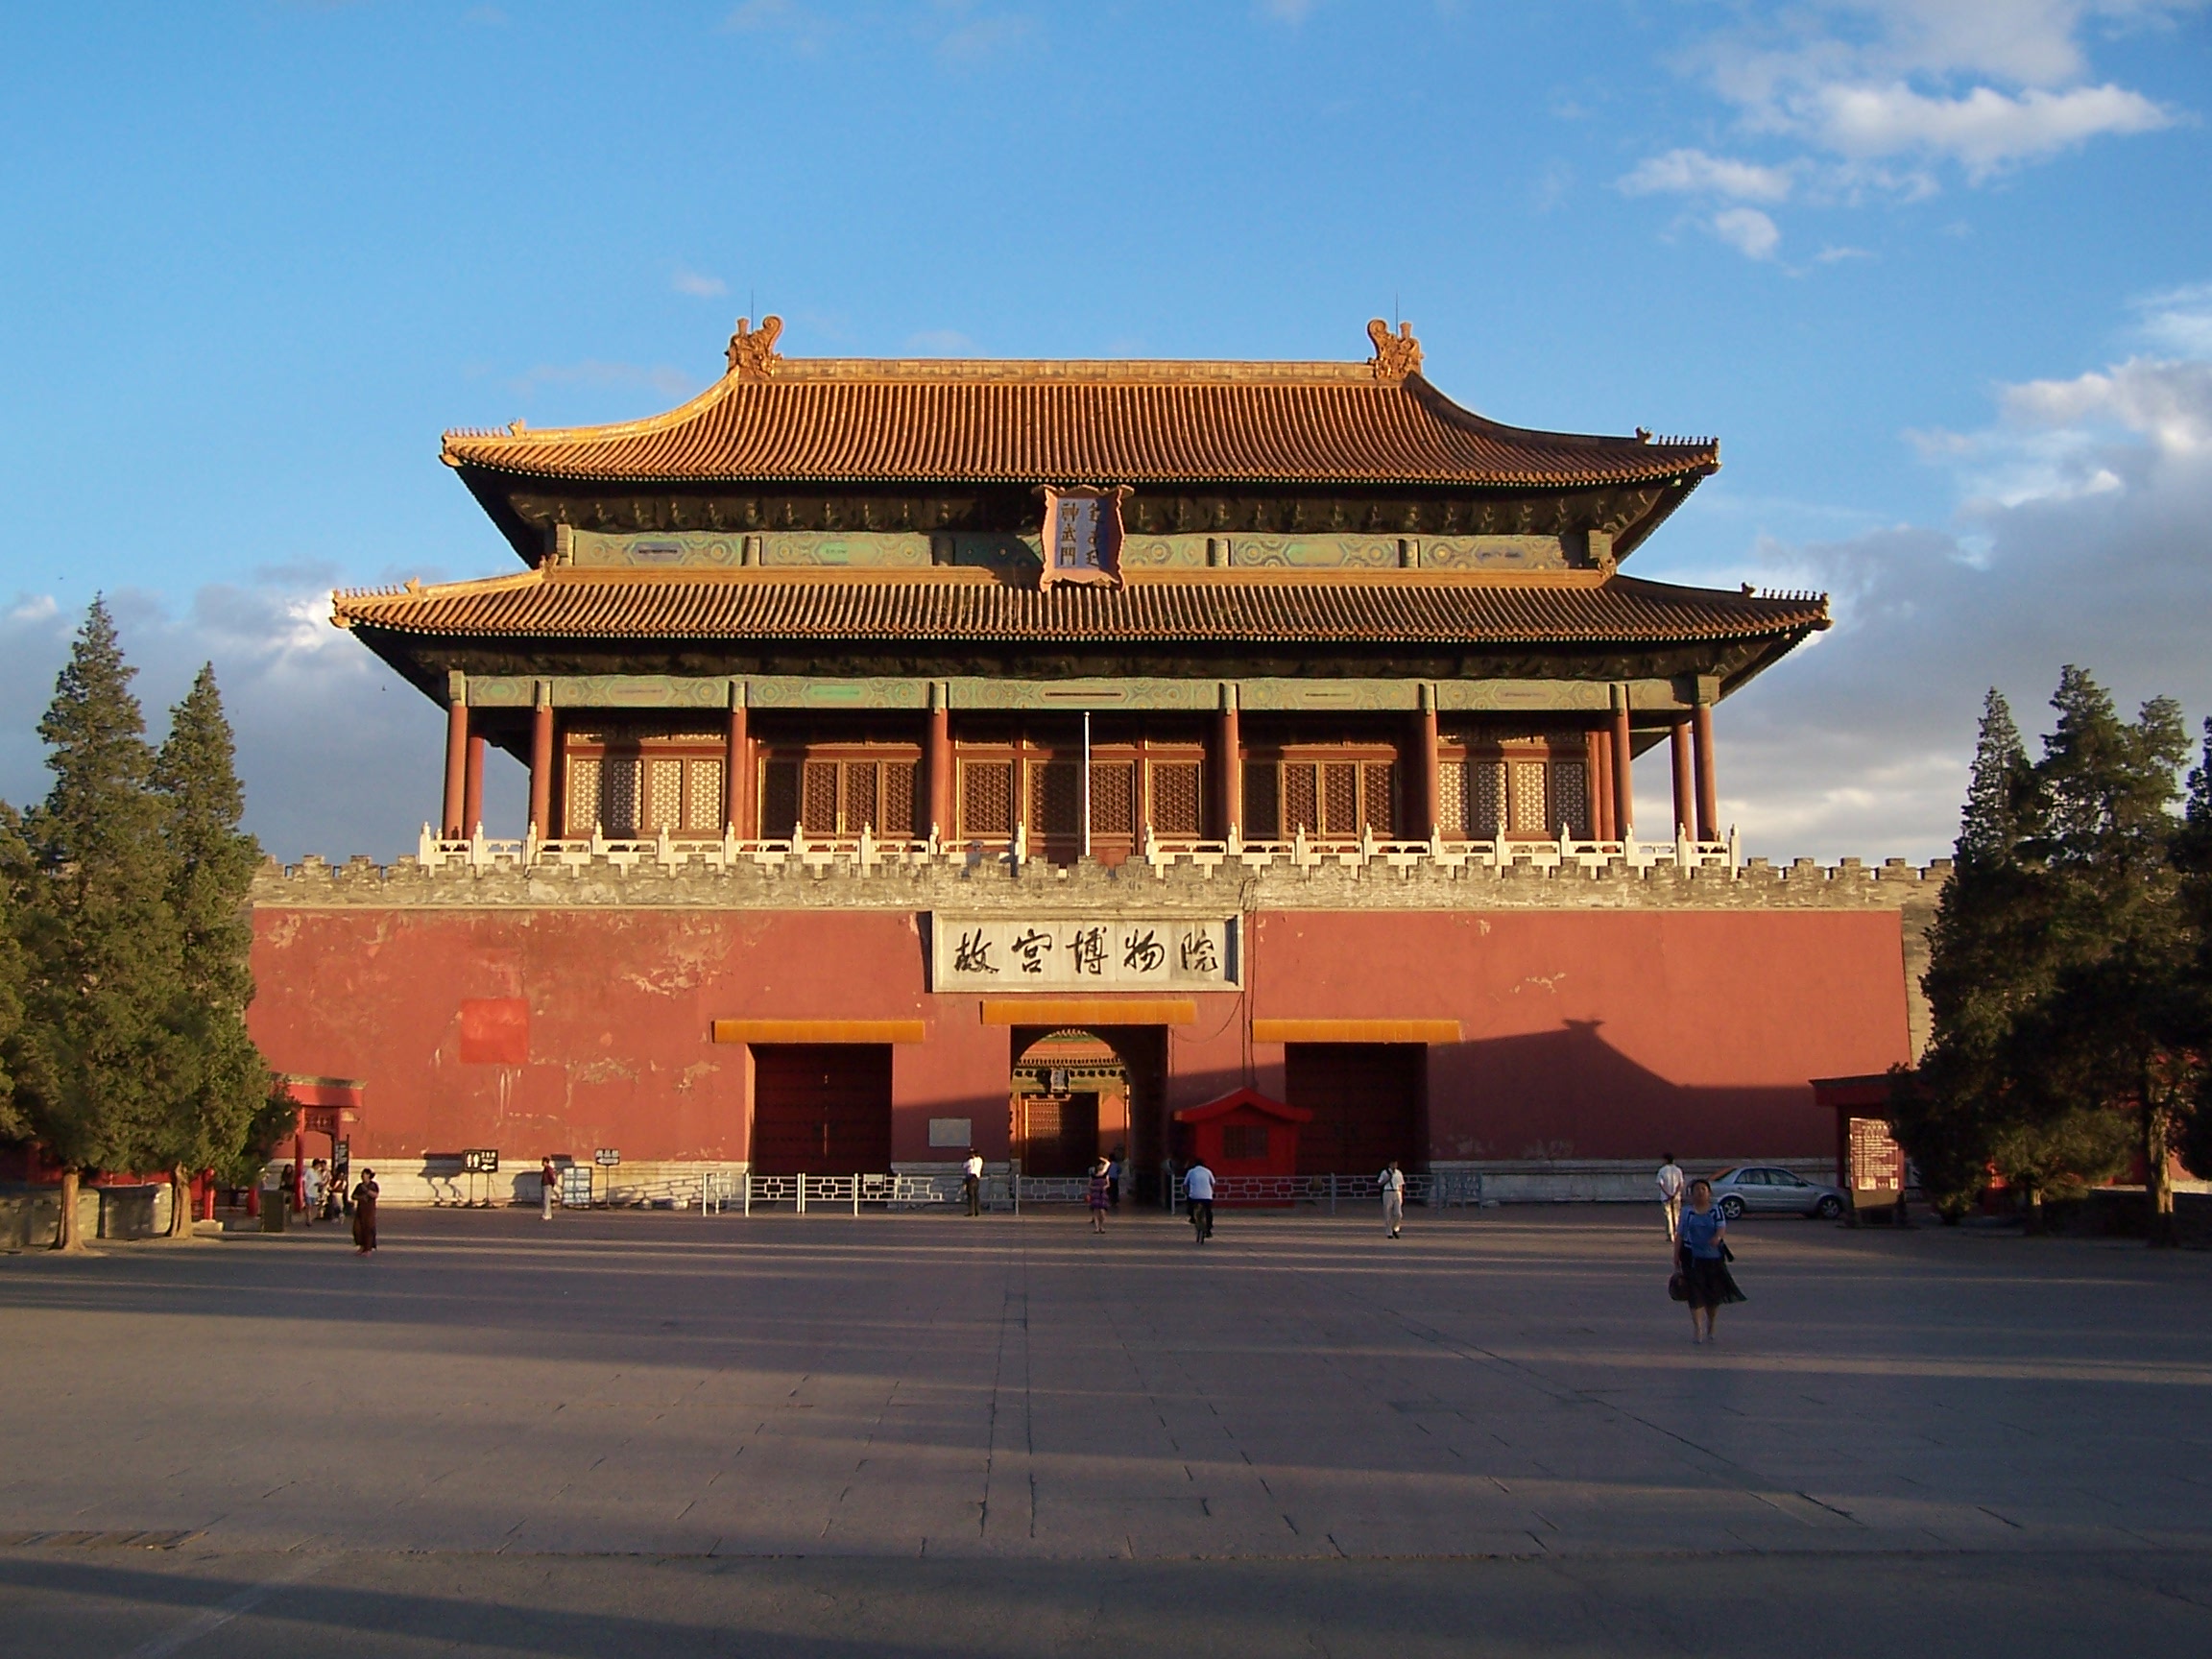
{"points": [[1601, 1179]]}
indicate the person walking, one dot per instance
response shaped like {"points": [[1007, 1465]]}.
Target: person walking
{"points": [[1392, 1183], [365, 1212], [1099, 1193], [971, 1181], [1702, 1258], [311, 1187], [548, 1187], [1669, 1179], [1198, 1196], [1114, 1182]]}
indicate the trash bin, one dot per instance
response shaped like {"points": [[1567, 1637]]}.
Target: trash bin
{"points": [[274, 1209]]}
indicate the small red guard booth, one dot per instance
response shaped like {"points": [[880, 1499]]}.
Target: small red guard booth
{"points": [[1245, 1133]]}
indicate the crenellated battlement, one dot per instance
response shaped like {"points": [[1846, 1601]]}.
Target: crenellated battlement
{"points": [[1298, 875]]}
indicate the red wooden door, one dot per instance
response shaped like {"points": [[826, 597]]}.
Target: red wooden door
{"points": [[824, 1109], [1366, 1098]]}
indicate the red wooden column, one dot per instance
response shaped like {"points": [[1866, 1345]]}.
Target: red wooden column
{"points": [[1708, 798], [456, 759], [1678, 753], [738, 769], [473, 786], [1603, 784], [1623, 757], [1229, 763], [541, 763], [1427, 781], [937, 764]]}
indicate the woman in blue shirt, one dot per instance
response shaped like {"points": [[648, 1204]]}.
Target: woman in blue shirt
{"points": [[1701, 1253]]}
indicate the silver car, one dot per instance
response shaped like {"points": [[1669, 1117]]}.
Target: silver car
{"points": [[1763, 1190]]}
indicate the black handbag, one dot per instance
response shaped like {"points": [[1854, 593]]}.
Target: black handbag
{"points": [[1677, 1290]]}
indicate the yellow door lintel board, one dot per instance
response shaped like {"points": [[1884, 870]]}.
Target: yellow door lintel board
{"points": [[1356, 1031], [820, 1031], [1088, 1011]]}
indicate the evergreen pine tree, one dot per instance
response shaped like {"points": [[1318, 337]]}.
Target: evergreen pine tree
{"points": [[14, 1125], [2108, 1040], [2193, 863], [225, 1081], [1985, 966], [99, 1044]]}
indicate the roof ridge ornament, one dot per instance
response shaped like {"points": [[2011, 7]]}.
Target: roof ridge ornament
{"points": [[1396, 355], [753, 354]]}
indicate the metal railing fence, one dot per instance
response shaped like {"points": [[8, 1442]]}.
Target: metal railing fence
{"points": [[720, 1193]]}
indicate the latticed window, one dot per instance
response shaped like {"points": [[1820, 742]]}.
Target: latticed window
{"points": [[838, 798], [582, 796], [778, 799], [986, 799], [1112, 798], [663, 796], [1571, 797], [1240, 1142], [1377, 791], [1485, 799], [818, 797], [1055, 798], [1452, 798], [1531, 797], [1336, 799], [1175, 797], [898, 799], [1263, 803], [703, 806]]}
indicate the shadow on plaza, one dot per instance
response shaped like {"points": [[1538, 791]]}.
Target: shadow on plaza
{"points": [[2023, 1606]]}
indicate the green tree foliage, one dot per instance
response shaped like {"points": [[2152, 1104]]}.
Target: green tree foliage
{"points": [[2193, 860], [211, 862], [14, 1124], [1986, 965], [2112, 1034], [101, 1039], [2065, 961]]}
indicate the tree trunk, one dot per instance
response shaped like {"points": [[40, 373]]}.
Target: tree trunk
{"points": [[2157, 1177], [2034, 1207], [180, 1203], [65, 1234]]}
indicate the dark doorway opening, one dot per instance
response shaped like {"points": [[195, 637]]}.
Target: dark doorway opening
{"points": [[1367, 1101], [821, 1108]]}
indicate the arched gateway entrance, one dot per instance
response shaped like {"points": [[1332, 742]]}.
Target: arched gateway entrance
{"points": [[1074, 1093]]}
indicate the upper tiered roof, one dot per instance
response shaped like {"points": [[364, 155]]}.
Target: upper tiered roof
{"points": [[772, 419]]}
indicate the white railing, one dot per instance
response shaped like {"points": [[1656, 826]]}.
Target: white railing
{"points": [[1447, 1190], [718, 1192], [866, 851]]}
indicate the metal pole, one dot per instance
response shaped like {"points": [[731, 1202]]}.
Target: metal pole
{"points": [[856, 1197], [802, 1179]]}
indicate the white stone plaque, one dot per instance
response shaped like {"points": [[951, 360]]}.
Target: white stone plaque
{"points": [[999, 954]]}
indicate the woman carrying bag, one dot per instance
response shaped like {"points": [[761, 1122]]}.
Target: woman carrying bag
{"points": [[1702, 1262]]}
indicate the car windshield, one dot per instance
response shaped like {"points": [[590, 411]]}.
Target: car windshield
{"points": [[1726, 1175]]}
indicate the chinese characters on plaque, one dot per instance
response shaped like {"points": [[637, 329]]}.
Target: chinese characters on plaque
{"points": [[1083, 534], [1083, 953]]}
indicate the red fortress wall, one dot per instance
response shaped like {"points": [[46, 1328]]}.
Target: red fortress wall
{"points": [[1586, 1034]]}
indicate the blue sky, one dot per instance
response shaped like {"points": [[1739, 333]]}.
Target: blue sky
{"points": [[1938, 273]]}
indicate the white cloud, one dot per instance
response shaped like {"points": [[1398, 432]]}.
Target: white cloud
{"points": [[2178, 320], [1983, 131], [1746, 229], [1290, 12], [697, 283], [2078, 538], [1882, 98], [801, 26], [1694, 172]]}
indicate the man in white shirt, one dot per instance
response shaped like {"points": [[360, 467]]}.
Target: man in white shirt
{"points": [[971, 1181], [1392, 1182], [1670, 1180], [311, 1188], [1198, 1194]]}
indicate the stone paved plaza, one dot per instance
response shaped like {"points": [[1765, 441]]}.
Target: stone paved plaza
{"points": [[660, 1432]]}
